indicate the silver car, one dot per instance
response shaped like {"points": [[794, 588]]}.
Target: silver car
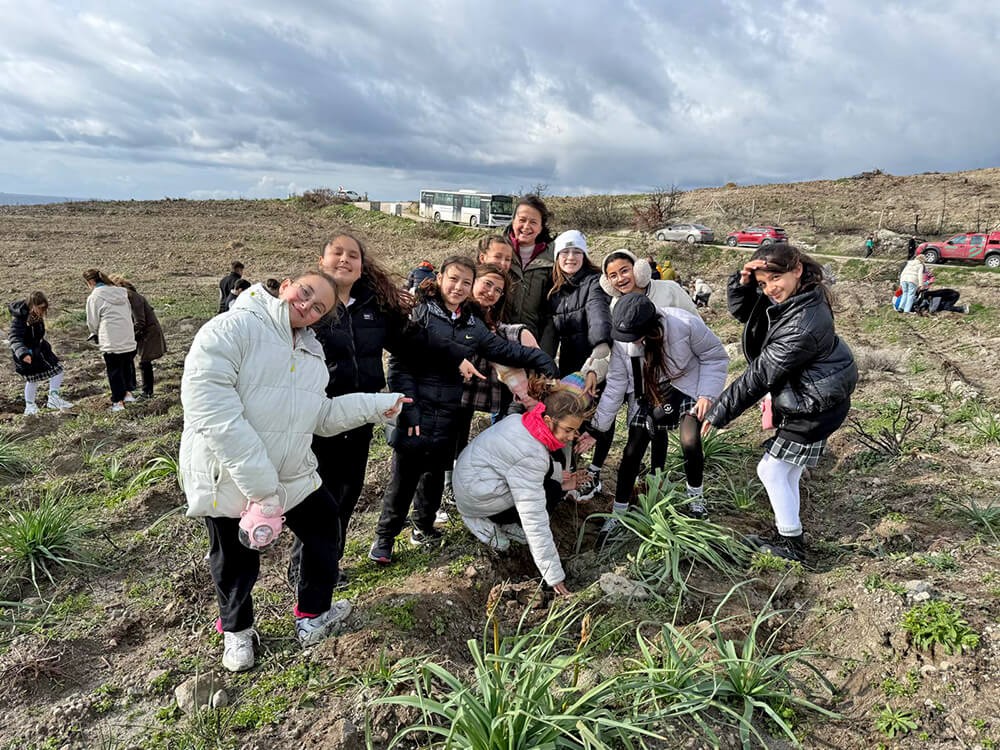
{"points": [[689, 233]]}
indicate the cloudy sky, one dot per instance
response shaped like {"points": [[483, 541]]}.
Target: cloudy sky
{"points": [[198, 98]]}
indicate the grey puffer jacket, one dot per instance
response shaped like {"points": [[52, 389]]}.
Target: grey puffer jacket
{"points": [[696, 364], [794, 354], [581, 313], [505, 467]]}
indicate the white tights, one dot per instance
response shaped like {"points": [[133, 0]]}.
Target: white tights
{"points": [[781, 480], [31, 389]]}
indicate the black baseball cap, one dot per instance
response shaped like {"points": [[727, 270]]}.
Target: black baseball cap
{"points": [[631, 317]]}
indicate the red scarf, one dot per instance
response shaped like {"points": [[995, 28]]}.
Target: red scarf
{"points": [[536, 427]]}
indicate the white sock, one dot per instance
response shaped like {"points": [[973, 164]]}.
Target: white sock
{"points": [[54, 383], [781, 480], [594, 469], [30, 392], [695, 491], [619, 508]]}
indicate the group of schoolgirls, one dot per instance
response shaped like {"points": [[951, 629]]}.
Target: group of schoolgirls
{"points": [[620, 335]]}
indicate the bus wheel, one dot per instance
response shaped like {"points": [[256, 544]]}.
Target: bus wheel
{"points": [[473, 221], [437, 216]]}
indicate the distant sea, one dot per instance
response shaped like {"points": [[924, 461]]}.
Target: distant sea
{"points": [[15, 199]]}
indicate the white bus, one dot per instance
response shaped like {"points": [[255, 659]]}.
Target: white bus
{"points": [[467, 207]]}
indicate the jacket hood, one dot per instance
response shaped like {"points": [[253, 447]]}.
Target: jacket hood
{"points": [[114, 294], [18, 309]]}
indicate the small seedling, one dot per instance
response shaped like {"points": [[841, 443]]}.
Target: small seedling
{"points": [[892, 722]]}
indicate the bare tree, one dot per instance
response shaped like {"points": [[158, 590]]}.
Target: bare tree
{"points": [[657, 208]]}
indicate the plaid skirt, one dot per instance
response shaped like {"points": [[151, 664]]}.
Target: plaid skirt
{"points": [[36, 377], [674, 403], [799, 454]]}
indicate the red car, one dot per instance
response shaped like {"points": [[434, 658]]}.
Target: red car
{"points": [[972, 247], [756, 236]]}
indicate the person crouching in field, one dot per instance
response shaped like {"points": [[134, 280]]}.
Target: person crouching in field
{"points": [[253, 396], [793, 354], [34, 359], [148, 336], [506, 480]]}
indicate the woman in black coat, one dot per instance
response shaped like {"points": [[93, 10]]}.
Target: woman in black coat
{"points": [[34, 359], [795, 357], [424, 439]]}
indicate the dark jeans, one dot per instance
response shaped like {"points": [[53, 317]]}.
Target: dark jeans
{"points": [[235, 568], [130, 380], [118, 366], [417, 477], [147, 377], [343, 460], [635, 449]]}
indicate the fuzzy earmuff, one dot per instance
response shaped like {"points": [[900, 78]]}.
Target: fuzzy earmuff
{"points": [[641, 271]]}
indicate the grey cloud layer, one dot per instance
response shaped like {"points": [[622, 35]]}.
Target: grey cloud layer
{"points": [[257, 97]]}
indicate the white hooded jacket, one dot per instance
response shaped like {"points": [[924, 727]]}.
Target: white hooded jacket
{"points": [[253, 396], [503, 468], [109, 316]]}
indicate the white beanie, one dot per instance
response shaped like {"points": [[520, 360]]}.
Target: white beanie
{"points": [[572, 238]]}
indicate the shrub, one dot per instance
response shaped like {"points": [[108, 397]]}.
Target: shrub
{"points": [[939, 624], [13, 461], [39, 539], [593, 213], [892, 722], [320, 198]]}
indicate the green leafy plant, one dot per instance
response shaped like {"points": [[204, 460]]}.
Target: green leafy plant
{"points": [[938, 623], [894, 722], [48, 536], [14, 463], [669, 538], [894, 688], [755, 676], [983, 517], [156, 470], [761, 562], [742, 495], [987, 426], [723, 455], [524, 692], [938, 560]]}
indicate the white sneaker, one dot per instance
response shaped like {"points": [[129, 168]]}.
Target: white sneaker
{"points": [[514, 532], [312, 630], [129, 398], [30, 409], [590, 486], [441, 517], [487, 531], [58, 402], [117, 406], [238, 654]]}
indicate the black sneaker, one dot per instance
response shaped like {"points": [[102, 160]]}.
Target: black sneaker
{"points": [[343, 581], [381, 551], [421, 538], [591, 486], [786, 547]]}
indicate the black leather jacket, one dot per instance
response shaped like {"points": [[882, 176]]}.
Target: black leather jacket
{"points": [[581, 313], [435, 385], [792, 353]]}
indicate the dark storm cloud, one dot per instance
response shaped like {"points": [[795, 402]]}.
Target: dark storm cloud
{"points": [[257, 96]]}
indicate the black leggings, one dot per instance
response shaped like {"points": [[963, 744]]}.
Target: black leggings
{"points": [[635, 449]]}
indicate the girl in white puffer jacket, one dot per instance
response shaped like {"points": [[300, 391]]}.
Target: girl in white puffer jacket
{"points": [[253, 394], [506, 480]]}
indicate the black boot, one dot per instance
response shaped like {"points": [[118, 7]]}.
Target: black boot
{"points": [[786, 547]]}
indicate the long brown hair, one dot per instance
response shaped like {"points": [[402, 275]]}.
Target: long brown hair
{"points": [[559, 277], [96, 275], [560, 400], [494, 315], [388, 296], [782, 258]]}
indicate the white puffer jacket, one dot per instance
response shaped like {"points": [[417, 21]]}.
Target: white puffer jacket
{"points": [[505, 467], [253, 396], [696, 362], [109, 315]]}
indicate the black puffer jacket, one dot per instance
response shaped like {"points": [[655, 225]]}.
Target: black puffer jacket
{"points": [[581, 313], [793, 354], [354, 337], [435, 386], [29, 338]]}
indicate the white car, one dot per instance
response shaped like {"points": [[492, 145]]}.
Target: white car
{"points": [[689, 233]]}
